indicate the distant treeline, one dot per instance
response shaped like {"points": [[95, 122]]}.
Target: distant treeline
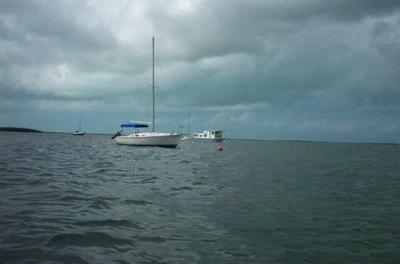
{"points": [[19, 129]]}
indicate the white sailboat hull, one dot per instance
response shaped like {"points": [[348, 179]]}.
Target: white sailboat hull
{"points": [[149, 139]]}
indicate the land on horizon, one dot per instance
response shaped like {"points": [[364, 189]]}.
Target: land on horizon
{"points": [[19, 129]]}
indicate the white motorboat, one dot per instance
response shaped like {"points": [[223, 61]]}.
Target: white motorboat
{"points": [[209, 135], [147, 138]]}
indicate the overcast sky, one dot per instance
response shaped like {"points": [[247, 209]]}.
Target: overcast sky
{"points": [[268, 69]]}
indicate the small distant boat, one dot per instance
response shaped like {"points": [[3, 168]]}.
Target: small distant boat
{"points": [[79, 132], [152, 138], [209, 135], [187, 135]]}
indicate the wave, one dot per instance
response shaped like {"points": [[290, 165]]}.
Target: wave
{"points": [[89, 239]]}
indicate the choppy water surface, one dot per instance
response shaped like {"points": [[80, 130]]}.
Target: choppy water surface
{"points": [[69, 199]]}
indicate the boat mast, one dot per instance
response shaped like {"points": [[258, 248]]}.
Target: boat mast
{"points": [[188, 124], [154, 125]]}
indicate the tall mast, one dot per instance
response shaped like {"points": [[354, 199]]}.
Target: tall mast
{"points": [[188, 124], [154, 124]]}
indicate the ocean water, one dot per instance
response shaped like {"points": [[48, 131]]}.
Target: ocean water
{"points": [[70, 199]]}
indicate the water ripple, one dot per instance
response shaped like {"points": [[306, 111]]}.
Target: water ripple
{"points": [[88, 239]]}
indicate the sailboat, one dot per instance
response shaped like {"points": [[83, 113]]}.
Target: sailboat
{"points": [[79, 132], [138, 138], [187, 136]]}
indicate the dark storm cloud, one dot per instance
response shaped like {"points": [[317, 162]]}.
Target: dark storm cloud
{"points": [[29, 21], [296, 50], [50, 32], [39, 36], [340, 10], [220, 27]]}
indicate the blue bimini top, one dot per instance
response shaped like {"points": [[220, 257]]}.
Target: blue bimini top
{"points": [[134, 125]]}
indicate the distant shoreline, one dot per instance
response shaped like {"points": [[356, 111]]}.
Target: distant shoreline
{"points": [[19, 129]]}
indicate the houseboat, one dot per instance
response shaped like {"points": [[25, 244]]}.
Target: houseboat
{"points": [[210, 135]]}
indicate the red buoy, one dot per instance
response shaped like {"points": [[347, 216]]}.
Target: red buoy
{"points": [[220, 148]]}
